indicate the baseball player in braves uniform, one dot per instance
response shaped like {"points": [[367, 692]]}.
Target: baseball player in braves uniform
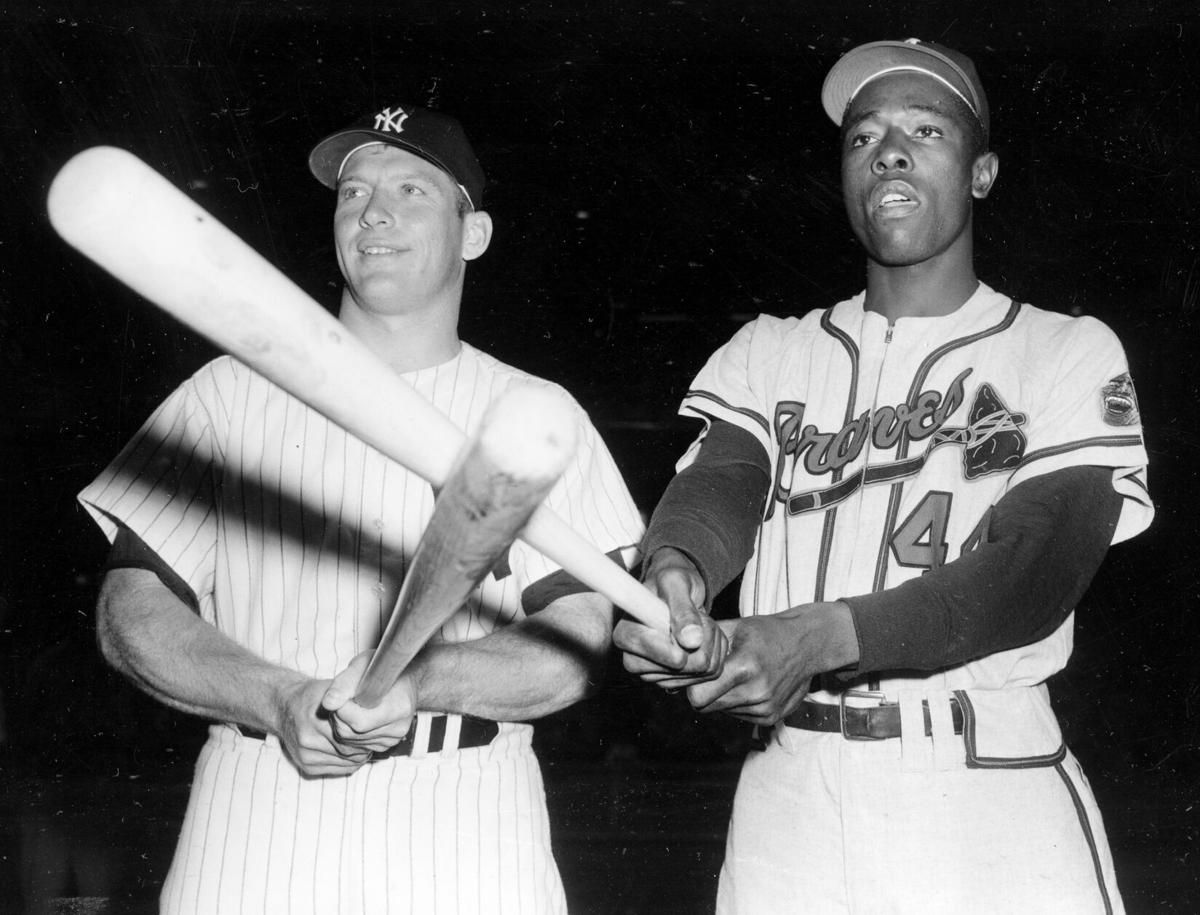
{"points": [[918, 483], [258, 551]]}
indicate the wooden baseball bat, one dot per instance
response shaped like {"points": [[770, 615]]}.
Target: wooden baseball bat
{"points": [[506, 470], [139, 227]]}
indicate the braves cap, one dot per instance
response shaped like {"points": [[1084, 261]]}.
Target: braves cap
{"points": [[435, 137], [860, 65]]}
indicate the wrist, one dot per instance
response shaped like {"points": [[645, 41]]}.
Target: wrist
{"points": [[825, 632], [282, 689], [839, 635], [669, 557]]}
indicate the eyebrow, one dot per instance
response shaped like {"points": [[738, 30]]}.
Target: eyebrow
{"points": [[407, 176]]}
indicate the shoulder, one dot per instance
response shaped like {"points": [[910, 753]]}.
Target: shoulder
{"points": [[503, 375], [226, 375], [766, 329], [224, 372], [1052, 329]]}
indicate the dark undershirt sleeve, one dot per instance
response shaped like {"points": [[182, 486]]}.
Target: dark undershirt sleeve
{"points": [[1045, 540], [712, 509], [543, 592], [128, 551]]}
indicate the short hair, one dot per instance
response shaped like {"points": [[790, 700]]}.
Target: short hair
{"points": [[462, 203]]}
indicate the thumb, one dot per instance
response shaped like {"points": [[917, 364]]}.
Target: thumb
{"points": [[343, 687], [687, 623]]}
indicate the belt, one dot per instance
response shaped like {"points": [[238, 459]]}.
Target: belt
{"points": [[875, 722], [475, 732]]}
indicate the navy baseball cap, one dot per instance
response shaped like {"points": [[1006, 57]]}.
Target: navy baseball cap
{"points": [[435, 137], [860, 65]]}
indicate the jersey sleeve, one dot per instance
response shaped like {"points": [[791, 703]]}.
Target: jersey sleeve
{"points": [[161, 486], [731, 385], [1043, 544], [711, 510], [1090, 417], [593, 499]]}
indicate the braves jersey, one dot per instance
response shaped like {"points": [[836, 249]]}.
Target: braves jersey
{"points": [[890, 444], [295, 538]]}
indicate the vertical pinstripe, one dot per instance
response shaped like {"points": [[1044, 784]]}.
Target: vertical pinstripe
{"points": [[294, 536]]}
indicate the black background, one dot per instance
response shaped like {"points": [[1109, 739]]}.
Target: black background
{"points": [[659, 172]]}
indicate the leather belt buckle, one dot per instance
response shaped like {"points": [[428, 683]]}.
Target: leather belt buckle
{"points": [[858, 726]]}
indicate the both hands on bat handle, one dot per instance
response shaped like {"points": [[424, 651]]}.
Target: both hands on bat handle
{"points": [[756, 668], [694, 650], [358, 729], [504, 472]]}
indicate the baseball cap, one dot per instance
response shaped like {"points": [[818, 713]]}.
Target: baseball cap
{"points": [[435, 137], [860, 65]]}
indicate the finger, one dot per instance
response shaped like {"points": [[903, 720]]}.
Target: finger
{"points": [[353, 722], [328, 758], [332, 766], [344, 685], [373, 738], [720, 693], [636, 640], [377, 744]]}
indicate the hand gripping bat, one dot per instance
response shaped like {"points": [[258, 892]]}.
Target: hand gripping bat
{"points": [[135, 224]]}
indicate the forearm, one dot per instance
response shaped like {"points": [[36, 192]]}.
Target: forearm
{"points": [[530, 669], [1045, 541], [148, 634]]}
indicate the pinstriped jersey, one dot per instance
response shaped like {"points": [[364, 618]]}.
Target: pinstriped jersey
{"points": [[295, 535], [890, 444]]}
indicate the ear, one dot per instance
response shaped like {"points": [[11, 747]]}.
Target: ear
{"points": [[477, 234], [983, 174]]}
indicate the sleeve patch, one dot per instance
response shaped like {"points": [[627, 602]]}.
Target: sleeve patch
{"points": [[1119, 405]]}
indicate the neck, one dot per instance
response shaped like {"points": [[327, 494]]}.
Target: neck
{"points": [[938, 286], [405, 342]]}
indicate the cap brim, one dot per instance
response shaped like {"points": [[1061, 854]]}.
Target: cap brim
{"points": [[862, 64], [327, 156]]}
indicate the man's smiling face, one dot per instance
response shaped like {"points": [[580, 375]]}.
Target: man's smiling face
{"points": [[909, 171], [398, 232]]}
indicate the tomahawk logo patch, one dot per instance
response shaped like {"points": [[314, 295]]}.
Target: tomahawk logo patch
{"points": [[1118, 402], [994, 442]]}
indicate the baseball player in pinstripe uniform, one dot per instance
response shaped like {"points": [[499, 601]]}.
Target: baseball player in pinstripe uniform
{"points": [[919, 484], [258, 551]]}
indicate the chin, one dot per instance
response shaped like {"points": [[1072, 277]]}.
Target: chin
{"points": [[896, 255]]}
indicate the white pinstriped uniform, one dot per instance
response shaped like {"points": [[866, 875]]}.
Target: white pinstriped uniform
{"points": [[888, 448], [294, 536]]}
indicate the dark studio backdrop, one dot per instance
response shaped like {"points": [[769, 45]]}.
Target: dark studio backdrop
{"points": [[659, 173]]}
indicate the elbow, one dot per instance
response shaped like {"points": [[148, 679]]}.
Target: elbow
{"points": [[110, 640]]}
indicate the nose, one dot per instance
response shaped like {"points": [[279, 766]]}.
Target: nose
{"points": [[891, 155], [376, 212]]}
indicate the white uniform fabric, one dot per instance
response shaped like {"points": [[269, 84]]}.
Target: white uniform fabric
{"points": [[294, 536], [888, 447]]}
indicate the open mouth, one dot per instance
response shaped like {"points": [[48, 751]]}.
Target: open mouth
{"points": [[377, 250], [893, 199]]}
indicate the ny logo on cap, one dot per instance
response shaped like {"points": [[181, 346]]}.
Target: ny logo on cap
{"points": [[389, 121]]}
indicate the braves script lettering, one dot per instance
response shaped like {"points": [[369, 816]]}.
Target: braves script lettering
{"points": [[826, 453]]}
